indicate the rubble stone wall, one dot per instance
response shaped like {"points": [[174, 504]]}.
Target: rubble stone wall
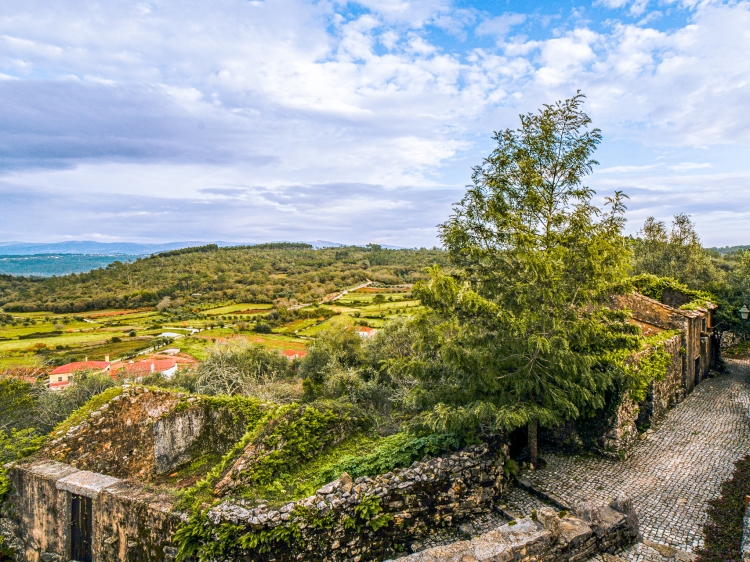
{"points": [[546, 537], [410, 503]]}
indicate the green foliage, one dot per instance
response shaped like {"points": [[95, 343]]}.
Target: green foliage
{"points": [[522, 328], [295, 435], [265, 273], [17, 402], [15, 445], [653, 286], [396, 451], [371, 511], [651, 366], [675, 254], [244, 369], [73, 404]]}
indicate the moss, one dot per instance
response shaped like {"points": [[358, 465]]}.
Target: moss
{"points": [[303, 480], [653, 287]]}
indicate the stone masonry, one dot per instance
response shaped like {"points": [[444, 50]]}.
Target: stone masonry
{"points": [[414, 502], [546, 536]]}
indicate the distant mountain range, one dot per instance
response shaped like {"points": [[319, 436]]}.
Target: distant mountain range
{"points": [[90, 247]]}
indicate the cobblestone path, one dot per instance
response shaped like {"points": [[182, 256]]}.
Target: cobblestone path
{"points": [[671, 474]]}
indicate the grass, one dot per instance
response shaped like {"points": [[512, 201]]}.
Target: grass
{"points": [[239, 308], [307, 478], [296, 326], [723, 532], [340, 320]]}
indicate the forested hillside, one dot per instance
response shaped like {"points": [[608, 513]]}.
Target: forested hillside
{"points": [[262, 274]]}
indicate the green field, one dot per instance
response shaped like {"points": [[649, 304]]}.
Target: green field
{"points": [[38, 338], [239, 308]]}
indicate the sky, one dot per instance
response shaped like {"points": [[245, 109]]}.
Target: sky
{"points": [[355, 122]]}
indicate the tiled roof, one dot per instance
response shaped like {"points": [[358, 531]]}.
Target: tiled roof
{"points": [[80, 366], [140, 368]]}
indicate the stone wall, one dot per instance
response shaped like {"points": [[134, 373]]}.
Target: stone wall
{"points": [[414, 501], [693, 352], [134, 524], [664, 394], [184, 435], [38, 509], [130, 523], [547, 536], [163, 430]]}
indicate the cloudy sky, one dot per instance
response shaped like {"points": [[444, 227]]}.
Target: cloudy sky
{"points": [[354, 122]]}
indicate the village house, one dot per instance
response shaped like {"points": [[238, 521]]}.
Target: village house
{"points": [[293, 354], [64, 375], [366, 332], [136, 370]]}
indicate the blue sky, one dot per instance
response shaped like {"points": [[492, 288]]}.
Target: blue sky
{"points": [[353, 121]]}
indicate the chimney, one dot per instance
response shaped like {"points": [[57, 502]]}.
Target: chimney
{"points": [[152, 368], [86, 359], [106, 358]]}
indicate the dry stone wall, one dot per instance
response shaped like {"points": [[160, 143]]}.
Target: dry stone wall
{"points": [[372, 518], [143, 433], [546, 536]]}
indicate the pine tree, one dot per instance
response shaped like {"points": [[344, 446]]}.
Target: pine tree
{"points": [[524, 327]]}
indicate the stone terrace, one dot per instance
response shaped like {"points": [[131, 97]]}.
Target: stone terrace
{"points": [[670, 475]]}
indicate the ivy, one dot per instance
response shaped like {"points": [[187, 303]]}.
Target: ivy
{"points": [[370, 512], [651, 366]]}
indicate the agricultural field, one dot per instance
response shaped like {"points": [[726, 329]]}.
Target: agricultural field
{"points": [[45, 339]]}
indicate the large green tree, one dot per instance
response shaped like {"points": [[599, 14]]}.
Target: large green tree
{"points": [[525, 335]]}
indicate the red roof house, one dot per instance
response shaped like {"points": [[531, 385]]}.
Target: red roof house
{"points": [[140, 369], [62, 376]]}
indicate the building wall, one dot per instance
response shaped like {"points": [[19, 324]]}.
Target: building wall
{"points": [[41, 510], [693, 352], [130, 523], [133, 524]]}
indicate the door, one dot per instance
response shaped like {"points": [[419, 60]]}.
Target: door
{"points": [[80, 529], [698, 370]]}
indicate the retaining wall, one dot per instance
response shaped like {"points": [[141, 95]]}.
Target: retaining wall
{"points": [[546, 537]]}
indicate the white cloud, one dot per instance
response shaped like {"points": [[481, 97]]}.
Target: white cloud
{"points": [[174, 97], [500, 26]]}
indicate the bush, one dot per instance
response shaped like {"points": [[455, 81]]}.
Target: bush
{"points": [[241, 369], [262, 328]]}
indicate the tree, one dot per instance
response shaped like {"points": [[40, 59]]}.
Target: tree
{"points": [[378, 299], [676, 253], [526, 336]]}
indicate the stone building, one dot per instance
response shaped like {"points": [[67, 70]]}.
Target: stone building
{"points": [[693, 349]]}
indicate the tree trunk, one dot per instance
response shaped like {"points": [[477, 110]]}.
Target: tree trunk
{"points": [[533, 445]]}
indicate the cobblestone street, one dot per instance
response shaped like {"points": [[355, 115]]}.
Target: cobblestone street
{"points": [[670, 475]]}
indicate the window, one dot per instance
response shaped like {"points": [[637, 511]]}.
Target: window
{"points": [[70, 377], [59, 379]]}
